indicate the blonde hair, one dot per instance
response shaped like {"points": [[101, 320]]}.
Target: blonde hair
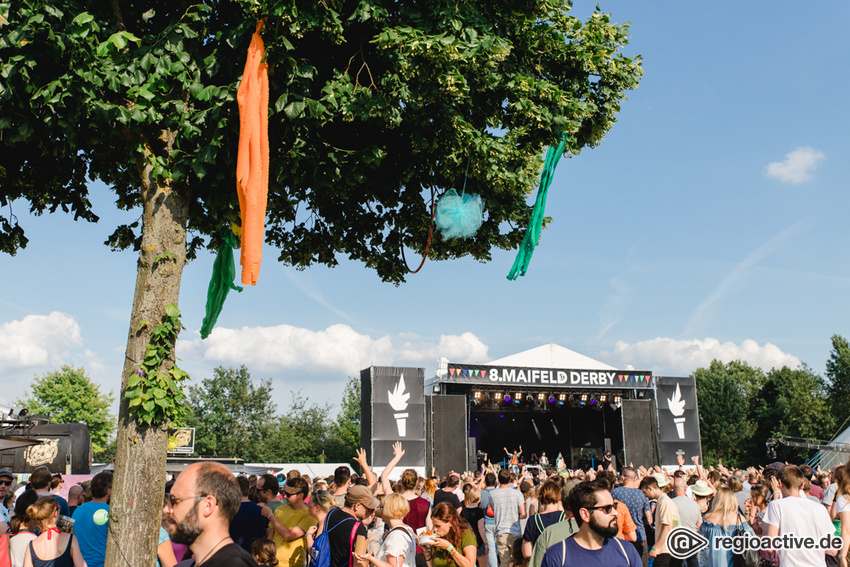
{"points": [[323, 500], [396, 507], [723, 503], [472, 495], [42, 513]]}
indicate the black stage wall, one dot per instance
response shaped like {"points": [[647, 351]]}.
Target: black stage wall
{"points": [[638, 426], [447, 440]]}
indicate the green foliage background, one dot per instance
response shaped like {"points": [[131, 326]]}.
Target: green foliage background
{"points": [[68, 395], [234, 416], [741, 407]]}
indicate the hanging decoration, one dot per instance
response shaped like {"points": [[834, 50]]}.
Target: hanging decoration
{"points": [[535, 223], [252, 164], [221, 282], [459, 216], [430, 238]]}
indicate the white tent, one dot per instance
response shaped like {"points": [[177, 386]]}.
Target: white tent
{"points": [[551, 356]]}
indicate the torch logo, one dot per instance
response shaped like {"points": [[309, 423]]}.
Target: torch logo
{"points": [[677, 408], [398, 400]]}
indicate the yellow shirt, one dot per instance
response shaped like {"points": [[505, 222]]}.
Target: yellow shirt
{"points": [[292, 553]]}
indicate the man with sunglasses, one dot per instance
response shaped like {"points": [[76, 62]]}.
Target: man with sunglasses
{"points": [[289, 522], [595, 543], [6, 480], [268, 489], [200, 507]]}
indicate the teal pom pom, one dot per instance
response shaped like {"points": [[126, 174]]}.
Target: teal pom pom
{"points": [[459, 216]]}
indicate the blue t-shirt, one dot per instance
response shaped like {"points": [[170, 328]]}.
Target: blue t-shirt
{"points": [[248, 525], [91, 537], [163, 537], [611, 554], [637, 503]]}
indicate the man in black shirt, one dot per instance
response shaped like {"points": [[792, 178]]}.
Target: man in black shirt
{"points": [[200, 506], [360, 506], [447, 494]]}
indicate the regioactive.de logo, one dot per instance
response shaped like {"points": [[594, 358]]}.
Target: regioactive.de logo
{"points": [[398, 401], [683, 542]]}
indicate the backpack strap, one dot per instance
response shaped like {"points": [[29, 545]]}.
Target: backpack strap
{"points": [[351, 542], [563, 552], [626, 555]]}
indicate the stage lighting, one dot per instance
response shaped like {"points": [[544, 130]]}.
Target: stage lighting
{"points": [[618, 399], [507, 398], [518, 396], [562, 397], [498, 396], [477, 395], [603, 398], [583, 397], [541, 396], [551, 398]]}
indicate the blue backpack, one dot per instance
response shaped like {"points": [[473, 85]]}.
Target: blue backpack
{"points": [[320, 553]]}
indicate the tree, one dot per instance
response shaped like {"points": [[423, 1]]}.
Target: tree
{"points": [[792, 403], [723, 396], [344, 438], [838, 374], [68, 395], [231, 415], [375, 104]]}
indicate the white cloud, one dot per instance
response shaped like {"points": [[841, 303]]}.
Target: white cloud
{"points": [[797, 167], [665, 356], [339, 348], [38, 340]]}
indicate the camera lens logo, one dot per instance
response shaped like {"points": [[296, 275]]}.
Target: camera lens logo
{"points": [[684, 542]]}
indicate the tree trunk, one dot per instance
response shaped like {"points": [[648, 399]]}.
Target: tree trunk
{"points": [[139, 483]]}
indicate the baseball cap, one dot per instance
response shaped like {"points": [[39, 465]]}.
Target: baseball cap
{"points": [[361, 495], [6, 472]]}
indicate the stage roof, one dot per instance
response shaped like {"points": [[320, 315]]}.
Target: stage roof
{"points": [[550, 356]]}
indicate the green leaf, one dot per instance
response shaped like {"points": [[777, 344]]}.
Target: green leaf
{"points": [[294, 109], [172, 311], [83, 18]]}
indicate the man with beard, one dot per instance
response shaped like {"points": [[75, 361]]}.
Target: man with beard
{"points": [[595, 543], [200, 507]]}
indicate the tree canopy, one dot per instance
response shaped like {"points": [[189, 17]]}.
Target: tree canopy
{"points": [[375, 104], [68, 395]]}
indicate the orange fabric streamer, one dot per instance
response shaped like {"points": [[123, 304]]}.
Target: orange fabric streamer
{"points": [[252, 164]]}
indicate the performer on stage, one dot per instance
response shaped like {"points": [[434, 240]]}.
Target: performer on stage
{"points": [[544, 460], [514, 459]]}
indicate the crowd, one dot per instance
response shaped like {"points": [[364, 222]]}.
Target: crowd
{"points": [[510, 517]]}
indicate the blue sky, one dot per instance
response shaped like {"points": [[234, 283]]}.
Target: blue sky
{"points": [[710, 223]]}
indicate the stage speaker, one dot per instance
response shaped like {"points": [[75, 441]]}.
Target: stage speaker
{"points": [[471, 452], [448, 434], [638, 433]]}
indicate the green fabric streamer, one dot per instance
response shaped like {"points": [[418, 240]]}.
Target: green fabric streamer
{"points": [[535, 224], [221, 282]]}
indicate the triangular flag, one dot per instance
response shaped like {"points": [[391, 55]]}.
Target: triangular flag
{"points": [[465, 372], [451, 371]]}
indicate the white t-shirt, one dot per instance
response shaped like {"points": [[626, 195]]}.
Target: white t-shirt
{"points": [[842, 504], [829, 494], [400, 542], [802, 518], [18, 545]]}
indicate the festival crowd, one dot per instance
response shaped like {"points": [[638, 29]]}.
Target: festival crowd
{"points": [[511, 516]]}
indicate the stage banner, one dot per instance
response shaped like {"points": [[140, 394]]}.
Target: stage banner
{"points": [[548, 377], [397, 414], [678, 420]]}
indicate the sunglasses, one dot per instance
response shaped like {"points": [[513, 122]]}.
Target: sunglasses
{"points": [[174, 500], [6, 482], [605, 509], [288, 494]]}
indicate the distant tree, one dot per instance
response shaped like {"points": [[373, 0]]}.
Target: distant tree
{"points": [[838, 375], [231, 414], [301, 433], [68, 395], [344, 437], [792, 403], [724, 393]]}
